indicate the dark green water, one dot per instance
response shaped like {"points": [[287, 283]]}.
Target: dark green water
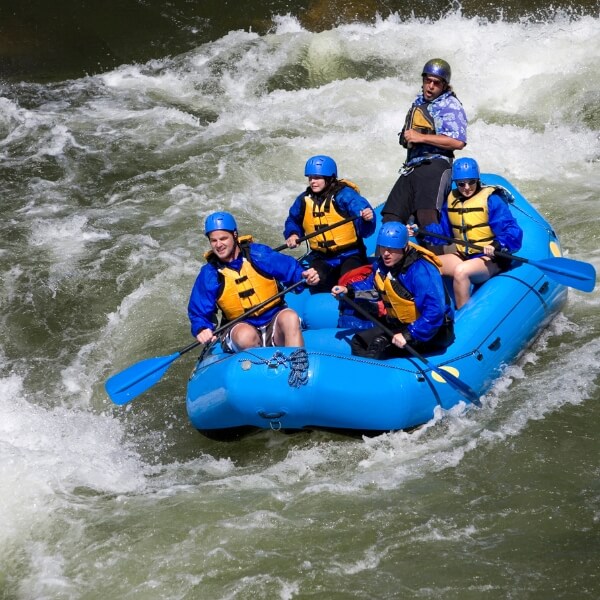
{"points": [[122, 125], [48, 41]]}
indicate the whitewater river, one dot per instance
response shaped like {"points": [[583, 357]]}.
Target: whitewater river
{"points": [[105, 180]]}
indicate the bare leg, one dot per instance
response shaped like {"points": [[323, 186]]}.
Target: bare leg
{"points": [[286, 331], [424, 217], [449, 263], [475, 270], [245, 336]]}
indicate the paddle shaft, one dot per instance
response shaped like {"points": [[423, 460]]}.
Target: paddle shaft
{"points": [[469, 245], [455, 382], [314, 233], [566, 271]]}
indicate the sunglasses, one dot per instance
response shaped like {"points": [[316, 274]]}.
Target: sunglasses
{"points": [[432, 81], [470, 183]]}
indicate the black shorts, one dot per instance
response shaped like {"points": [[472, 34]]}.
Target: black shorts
{"points": [[426, 187], [329, 275]]}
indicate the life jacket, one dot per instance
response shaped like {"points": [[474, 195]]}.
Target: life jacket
{"points": [[318, 215], [419, 118], [470, 219], [397, 299], [242, 290]]}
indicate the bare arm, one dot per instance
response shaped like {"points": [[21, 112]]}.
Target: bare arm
{"points": [[441, 141]]}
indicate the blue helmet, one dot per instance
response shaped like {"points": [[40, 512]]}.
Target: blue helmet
{"points": [[320, 166], [465, 168], [393, 234], [220, 221], [438, 68]]}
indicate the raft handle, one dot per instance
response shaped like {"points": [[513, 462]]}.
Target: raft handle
{"points": [[544, 288], [495, 345], [271, 415]]}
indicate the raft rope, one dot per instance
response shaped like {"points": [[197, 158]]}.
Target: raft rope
{"points": [[298, 368], [298, 363]]}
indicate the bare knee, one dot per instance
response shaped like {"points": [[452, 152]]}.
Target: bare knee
{"points": [[287, 330], [460, 273], [245, 336], [288, 320]]}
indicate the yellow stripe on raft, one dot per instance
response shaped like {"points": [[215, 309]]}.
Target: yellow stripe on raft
{"points": [[450, 370]]}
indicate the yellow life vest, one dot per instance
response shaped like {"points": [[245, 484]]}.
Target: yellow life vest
{"points": [[320, 216], [244, 289], [398, 301], [419, 119], [470, 220], [350, 184]]}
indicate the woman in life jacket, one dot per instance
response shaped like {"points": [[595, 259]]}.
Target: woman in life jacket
{"points": [[407, 278], [479, 215], [326, 201], [238, 275]]}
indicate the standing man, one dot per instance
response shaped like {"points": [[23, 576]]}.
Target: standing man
{"points": [[240, 274], [435, 126]]}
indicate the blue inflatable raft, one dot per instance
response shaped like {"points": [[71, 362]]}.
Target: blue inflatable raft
{"points": [[327, 388]]}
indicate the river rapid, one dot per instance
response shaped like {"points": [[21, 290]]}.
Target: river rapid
{"points": [[105, 181]]}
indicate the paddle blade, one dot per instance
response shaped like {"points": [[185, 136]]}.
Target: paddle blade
{"points": [[136, 379], [459, 385], [573, 273]]}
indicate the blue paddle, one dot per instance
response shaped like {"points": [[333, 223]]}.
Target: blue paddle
{"points": [[454, 381], [573, 273], [136, 379]]}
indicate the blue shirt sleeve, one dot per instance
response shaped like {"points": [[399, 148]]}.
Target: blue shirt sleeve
{"points": [[293, 223], [425, 283], [202, 305], [449, 117], [352, 203], [505, 227], [283, 268], [441, 228]]}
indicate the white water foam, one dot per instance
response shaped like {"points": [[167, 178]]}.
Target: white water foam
{"points": [[47, 454]]}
